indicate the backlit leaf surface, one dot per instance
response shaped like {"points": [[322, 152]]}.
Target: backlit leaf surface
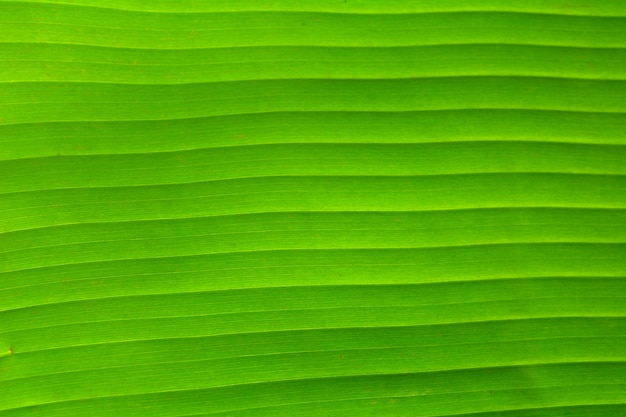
{"points": [[315, 208]]}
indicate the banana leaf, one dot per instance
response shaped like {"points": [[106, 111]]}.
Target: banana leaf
{"points": [[254, 208]]}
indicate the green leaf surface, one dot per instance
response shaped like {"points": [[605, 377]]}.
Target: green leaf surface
{"points": [[253, 208]]}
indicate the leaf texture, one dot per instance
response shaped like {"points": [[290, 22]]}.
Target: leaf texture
{"points": [[312, 208]]}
